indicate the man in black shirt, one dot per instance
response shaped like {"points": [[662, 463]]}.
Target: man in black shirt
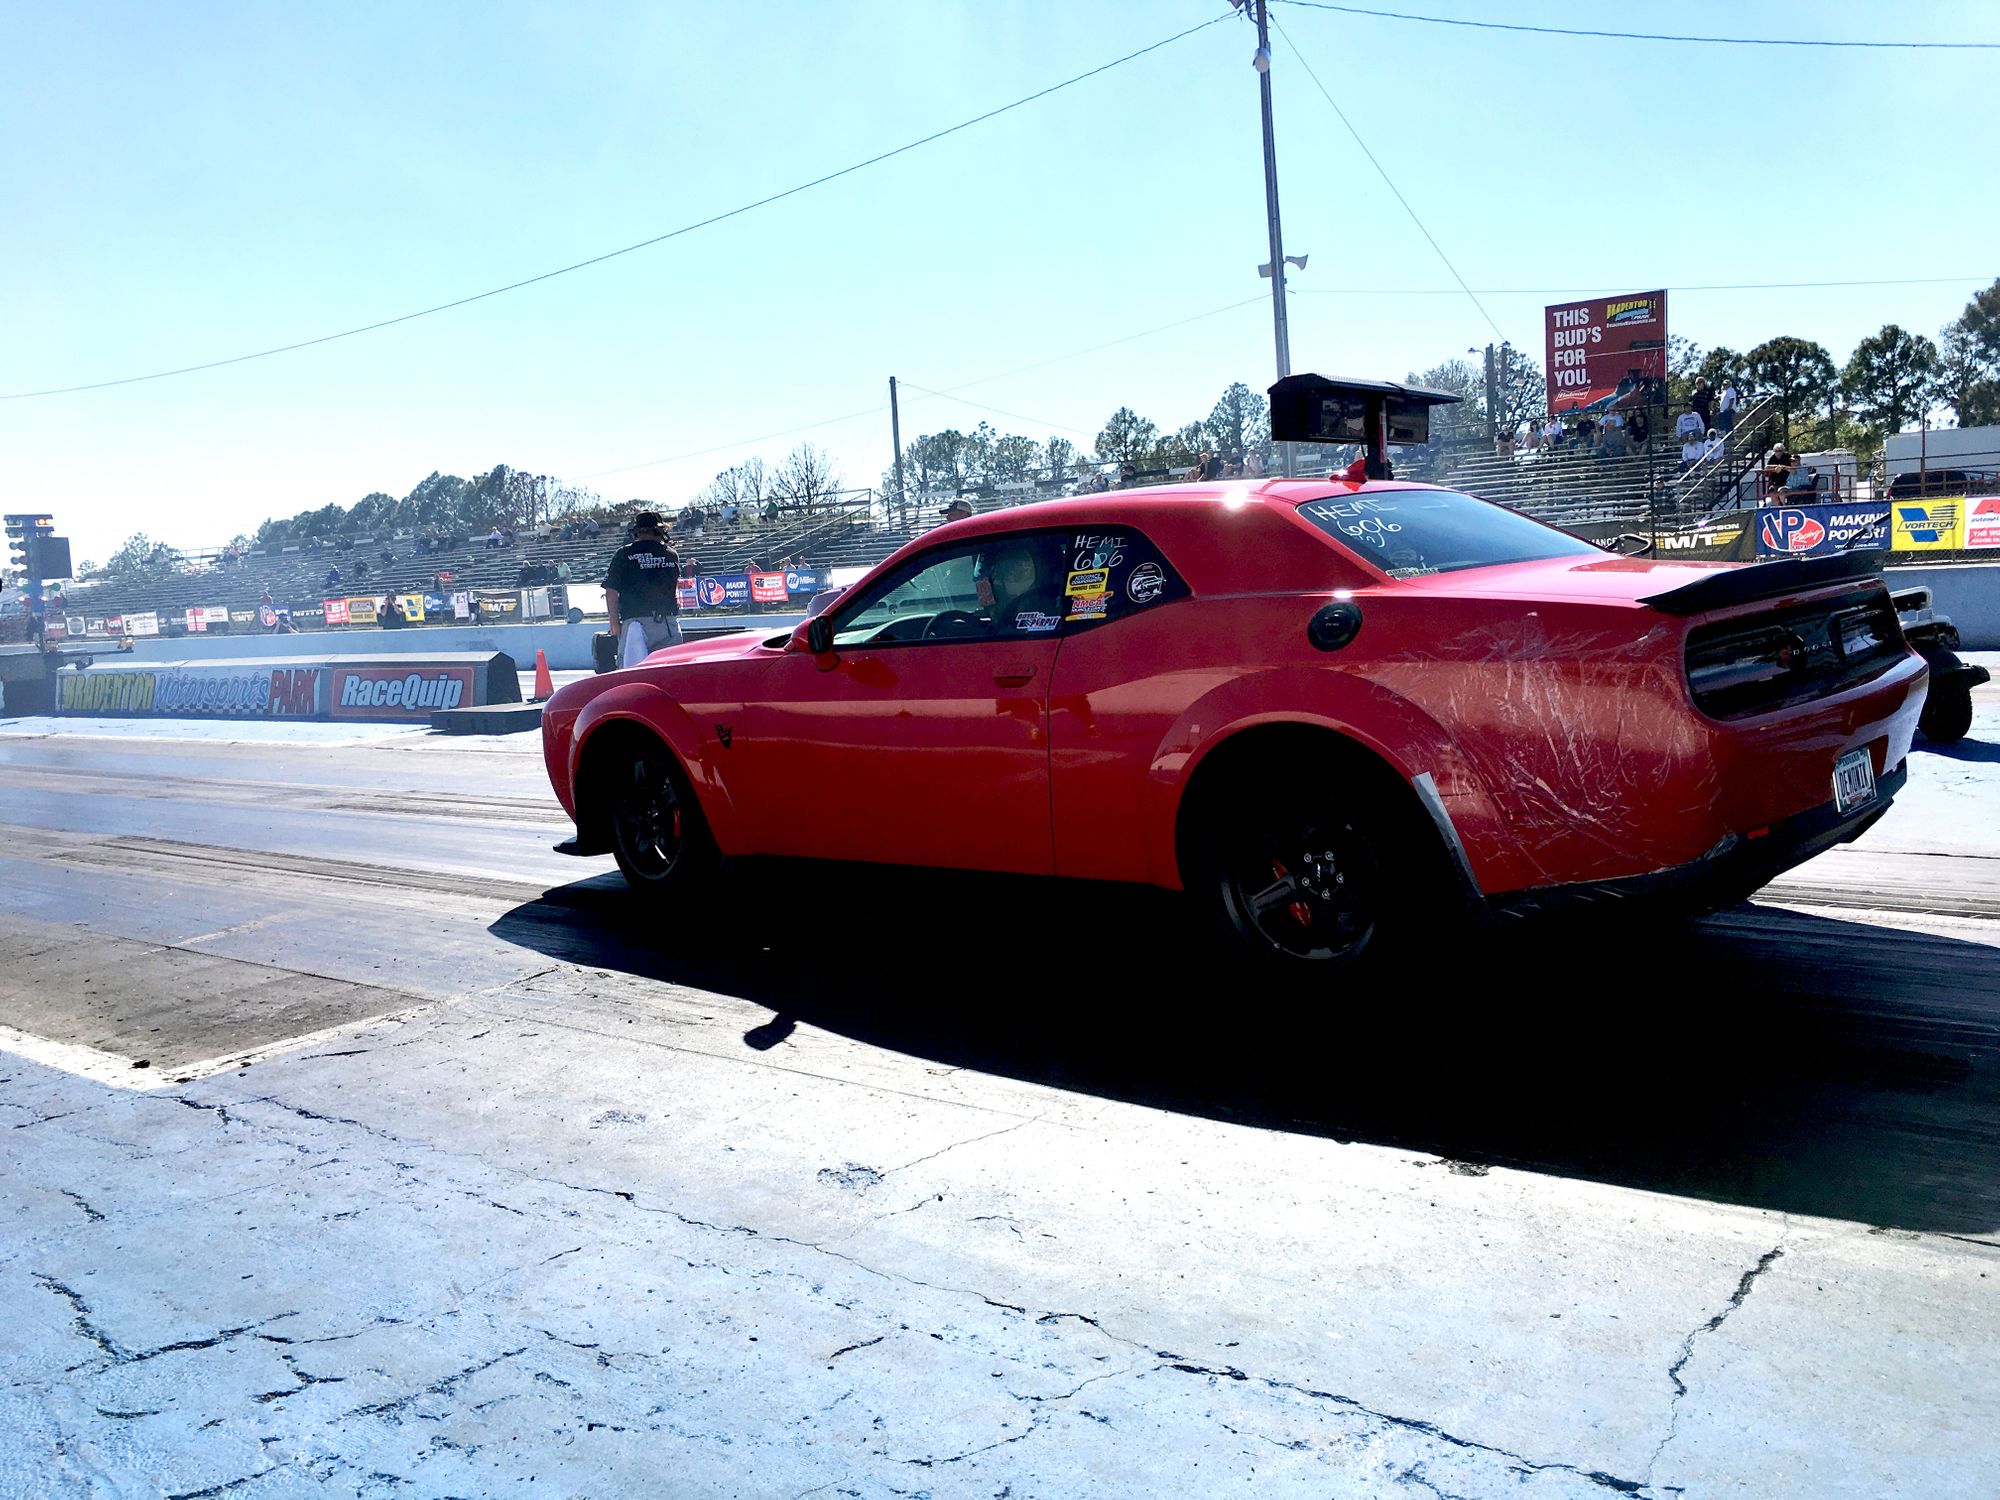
{"points": [[642, 592]]}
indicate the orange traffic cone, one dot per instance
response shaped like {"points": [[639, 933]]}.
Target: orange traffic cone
{"points": [[545, 687]]}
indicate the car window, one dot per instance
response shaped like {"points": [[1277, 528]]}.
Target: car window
{"points": [[1003, 586], [1408, 533], [1112, 572]]}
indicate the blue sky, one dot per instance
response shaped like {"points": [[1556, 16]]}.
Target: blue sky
{"points": [[185, 183]]}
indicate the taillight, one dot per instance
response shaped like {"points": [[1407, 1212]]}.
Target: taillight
{"points": [[1727, 672]]}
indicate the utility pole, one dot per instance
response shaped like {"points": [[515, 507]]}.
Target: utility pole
{"points": [[896, 437], [1280, 334], [1492, 400]]}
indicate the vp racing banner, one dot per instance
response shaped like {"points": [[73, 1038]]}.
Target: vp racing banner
{"points": [[1816, 530]]}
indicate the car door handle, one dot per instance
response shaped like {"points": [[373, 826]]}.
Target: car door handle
{"points": [[1014, 676]]}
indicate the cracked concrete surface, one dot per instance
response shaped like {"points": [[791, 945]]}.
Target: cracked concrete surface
{"points": [[508, 1255]]}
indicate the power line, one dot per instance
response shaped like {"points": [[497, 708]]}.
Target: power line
{"points": [[1386, 178], [997, 411], [964, 385], [1645, 36], [595, 260], [1570, 291]]}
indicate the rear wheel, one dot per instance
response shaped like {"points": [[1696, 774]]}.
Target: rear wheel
{"points": [[658, 835], [1306, 882], [1947, 714]]}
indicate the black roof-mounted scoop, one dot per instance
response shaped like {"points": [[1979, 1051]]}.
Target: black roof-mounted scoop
{"points": [[1373, 413]]}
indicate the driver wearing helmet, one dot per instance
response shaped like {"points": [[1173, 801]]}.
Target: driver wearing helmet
{"points": [[1011, 585]]}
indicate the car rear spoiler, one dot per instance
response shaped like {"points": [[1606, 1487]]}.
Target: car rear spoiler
{"points": [[1765, 580]]}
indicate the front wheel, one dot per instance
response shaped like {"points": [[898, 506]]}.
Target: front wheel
{"points": [[1304, 882], [658, 835]]}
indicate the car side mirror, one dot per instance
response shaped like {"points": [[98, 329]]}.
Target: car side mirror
{"points": [[819, 635]]}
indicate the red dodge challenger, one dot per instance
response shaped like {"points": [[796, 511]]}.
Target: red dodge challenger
{"points": [[1331, 710]]}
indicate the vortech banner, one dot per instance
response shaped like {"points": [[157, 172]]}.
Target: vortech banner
{"points": [[1814, 530], [1927, 525], [1608, 351]]}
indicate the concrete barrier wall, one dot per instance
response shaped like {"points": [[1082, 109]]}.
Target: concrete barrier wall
{"points": [[568, 645], [1968, 592]]}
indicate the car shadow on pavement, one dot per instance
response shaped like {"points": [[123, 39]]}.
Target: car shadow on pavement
{"points": [[1763, 1057], [1974, 750]]}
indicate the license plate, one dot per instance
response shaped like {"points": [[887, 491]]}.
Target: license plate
{"points": [[1853, 780]]}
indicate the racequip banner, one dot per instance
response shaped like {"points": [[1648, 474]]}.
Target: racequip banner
{"points": [[398, 692], [1608, 351], [1927, 525], [1815, 530]]}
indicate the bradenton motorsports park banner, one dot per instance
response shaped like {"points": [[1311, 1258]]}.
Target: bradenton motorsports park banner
{"points": [[1608, 351]]}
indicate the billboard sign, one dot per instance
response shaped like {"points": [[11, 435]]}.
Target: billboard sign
{"points": [[1607, 351], [1815, 530]]}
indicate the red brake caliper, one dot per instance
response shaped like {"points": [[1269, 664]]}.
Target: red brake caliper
{"points": [[1301, 913]]}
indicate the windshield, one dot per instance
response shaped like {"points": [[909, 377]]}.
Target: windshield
{"points": [[1408, 533]]}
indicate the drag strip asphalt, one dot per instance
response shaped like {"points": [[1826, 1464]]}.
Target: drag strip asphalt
{"points": [[353, 1142]]}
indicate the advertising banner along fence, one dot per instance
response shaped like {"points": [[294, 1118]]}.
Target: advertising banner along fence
{"points": [[1982, 522], [1607, 351], [337, 687], [1814, 530], [1927, 525]]}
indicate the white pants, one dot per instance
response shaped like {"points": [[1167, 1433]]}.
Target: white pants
{"points": [[640, 638]]}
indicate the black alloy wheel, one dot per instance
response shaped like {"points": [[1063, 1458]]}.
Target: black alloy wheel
{"points": [[1301, 886], [655, 829]]}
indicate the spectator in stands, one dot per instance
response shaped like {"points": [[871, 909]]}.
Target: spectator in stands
{"points": [[1530, 440], [1611, 436], [1253, 465], [1586, 429], [1800, 481], [959, 509], [642, 591], [391, 616], [731, 513], [1689, 424], [266, 597], [442, 580], [1209, 466], [494, 540], [387, 555], [1702, 400], [771, 512], [332, 579], [1553, 434], [1638, 431], [360, 569], [343, 544], [1715, 445], [1777, 469], [284, 625], [1725, 411], [1692, 445]]}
